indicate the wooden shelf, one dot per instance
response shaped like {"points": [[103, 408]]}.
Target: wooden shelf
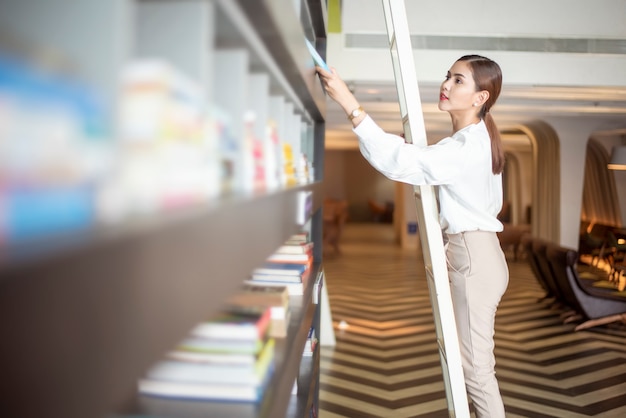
{"points": [[84, 315], [80, 326]]}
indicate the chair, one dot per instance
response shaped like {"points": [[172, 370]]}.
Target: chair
{"points": [[510, 237], [335, 215], [381, 213], [539, 247], [596, 309]]}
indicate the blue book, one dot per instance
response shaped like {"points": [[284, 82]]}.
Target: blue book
{"points": [[319, 61], [282, 269]]}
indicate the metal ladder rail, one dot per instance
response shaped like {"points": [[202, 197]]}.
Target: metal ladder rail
{"points": [[427, 213]]}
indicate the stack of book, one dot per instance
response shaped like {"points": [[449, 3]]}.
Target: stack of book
{"points": [[255, 298], [229, 358], [290, 265]]}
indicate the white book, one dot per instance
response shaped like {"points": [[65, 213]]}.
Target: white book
{"points": [[294, 289], [213, 391], [211, 372]]}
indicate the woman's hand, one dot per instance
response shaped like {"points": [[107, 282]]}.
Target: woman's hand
{"points": [[339, 92]]}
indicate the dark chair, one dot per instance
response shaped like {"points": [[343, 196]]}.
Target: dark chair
{"points": [[567, 295], [595, 308], [539, 247]]}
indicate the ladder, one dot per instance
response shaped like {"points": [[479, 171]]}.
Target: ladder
{"points": [[427, 214]]}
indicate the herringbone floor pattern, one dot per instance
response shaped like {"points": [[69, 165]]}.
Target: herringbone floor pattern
{"points": [[385, 361]]}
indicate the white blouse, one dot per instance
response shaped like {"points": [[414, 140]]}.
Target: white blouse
{"points": [[470, 195]]}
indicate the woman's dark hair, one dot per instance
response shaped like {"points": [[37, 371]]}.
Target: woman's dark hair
{"points": [[488, 76]]}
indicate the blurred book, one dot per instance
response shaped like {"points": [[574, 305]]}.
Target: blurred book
{"points": [[219, 346], [294, 288], [55, 149], [287, 269], [289, 165], [231, 325], [253, 165], [169, 145], [305, 247], [272, 156], [259, 297], [204, 391], [299, 238], [208, 371], [305, 206]]}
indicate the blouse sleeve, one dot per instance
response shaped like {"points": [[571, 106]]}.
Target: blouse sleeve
{"points": [[408, 163]]}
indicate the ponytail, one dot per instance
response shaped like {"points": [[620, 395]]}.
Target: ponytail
{"points": [[497, 150]]}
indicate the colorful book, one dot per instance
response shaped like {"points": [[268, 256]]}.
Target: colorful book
{"points": [[294, 288], [282, 269], [296, 248], [260, 297], [221, 346], [205, 391], [304, 258], [299, 238], [227, 325], [203, 372]]}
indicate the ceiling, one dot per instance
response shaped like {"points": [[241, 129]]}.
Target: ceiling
{"points": [[570, 67]]}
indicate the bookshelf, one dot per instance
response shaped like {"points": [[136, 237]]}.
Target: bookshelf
{"points": [[84, 311]]}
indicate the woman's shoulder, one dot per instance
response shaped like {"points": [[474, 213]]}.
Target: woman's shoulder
{"points": [[477, 130]]}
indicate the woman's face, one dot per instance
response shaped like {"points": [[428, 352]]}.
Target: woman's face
{"points": [[458, 90]]}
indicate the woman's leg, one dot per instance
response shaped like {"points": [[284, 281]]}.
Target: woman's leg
{"points": [[478, 279]]}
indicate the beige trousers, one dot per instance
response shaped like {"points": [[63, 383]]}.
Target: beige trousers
{"points": [[479, 276]]}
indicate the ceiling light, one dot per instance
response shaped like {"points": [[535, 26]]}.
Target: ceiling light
{"points": [[618, 158]]}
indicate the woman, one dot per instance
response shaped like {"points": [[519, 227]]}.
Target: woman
{"points": [[467, 167]]}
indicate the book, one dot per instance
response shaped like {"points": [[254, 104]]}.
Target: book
{"points": [[260, 297], [200, 372], [298, 238], [199, 356], [281, 278], [281, 268], [276, 278], [221, 346], [305, 247], [208, 380], [157, 406], [294, 288], [278, 317], [204, 391], [305, 198], [304, 258], [235, 325], [319, 61]]}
